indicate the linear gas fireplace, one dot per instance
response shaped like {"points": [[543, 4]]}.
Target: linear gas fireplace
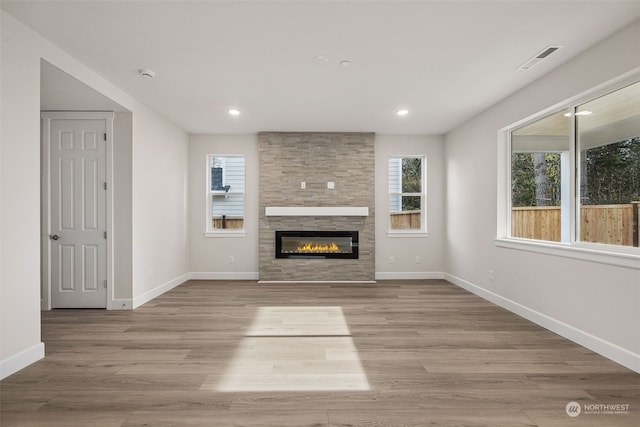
{"points": [[317, 244]]}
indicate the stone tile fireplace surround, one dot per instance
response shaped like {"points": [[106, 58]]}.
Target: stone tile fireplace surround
{"points": [[289, 158]]}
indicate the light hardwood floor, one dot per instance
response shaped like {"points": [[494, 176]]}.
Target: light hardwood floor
{"points": [[413, 353]]}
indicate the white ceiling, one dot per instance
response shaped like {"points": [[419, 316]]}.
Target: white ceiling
{"points": [[445, 61]]}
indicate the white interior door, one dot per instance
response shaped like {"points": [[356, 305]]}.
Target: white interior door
{"points": [[77, 177]]}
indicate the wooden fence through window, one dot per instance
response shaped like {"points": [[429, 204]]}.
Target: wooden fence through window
{"points": [[609, 224], [227, 222], [407, 220]]}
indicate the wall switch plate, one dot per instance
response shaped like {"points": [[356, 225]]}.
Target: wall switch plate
{"points": [[331, 185]]}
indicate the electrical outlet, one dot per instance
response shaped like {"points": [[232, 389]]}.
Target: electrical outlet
{"points": [[392, 259], [491, 275], [303, 185], [418, 260], [231, 260]]}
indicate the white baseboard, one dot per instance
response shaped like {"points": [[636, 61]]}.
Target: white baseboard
{"points": [[13, 364], [120, 304], [409, 275], [223, 275], [329, 282], [156, 292], [609, 350]]}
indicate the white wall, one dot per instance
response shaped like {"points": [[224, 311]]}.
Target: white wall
{"points": [[210, 255], [405, 249], [595, 304], [122, 207], [20, 199], [160, 206], [159, 216]]}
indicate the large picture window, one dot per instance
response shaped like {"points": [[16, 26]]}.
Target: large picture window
{"points": [[608, 137], [575, 174], [225, 193], [407, 194]]}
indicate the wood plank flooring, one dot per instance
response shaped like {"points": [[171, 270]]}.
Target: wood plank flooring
{"points": [[430, 352]]}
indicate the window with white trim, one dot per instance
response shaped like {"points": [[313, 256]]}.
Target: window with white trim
{"points": [[608, 178], [407, 194], [225, 194], [575, 174]]}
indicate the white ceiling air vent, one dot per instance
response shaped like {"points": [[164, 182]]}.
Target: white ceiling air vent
{"points": [[544, 54]]}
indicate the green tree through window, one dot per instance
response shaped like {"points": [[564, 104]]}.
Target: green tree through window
{"points": [[612, 173], [535, 179]]}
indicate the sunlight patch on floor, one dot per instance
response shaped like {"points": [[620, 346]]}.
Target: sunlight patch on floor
{"points": [[293, 349]]}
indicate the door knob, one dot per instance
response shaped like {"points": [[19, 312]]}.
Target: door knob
{"points": [[54, 237]]}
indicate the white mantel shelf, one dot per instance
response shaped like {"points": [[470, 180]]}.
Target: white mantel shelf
{"points": [[316, 211]]}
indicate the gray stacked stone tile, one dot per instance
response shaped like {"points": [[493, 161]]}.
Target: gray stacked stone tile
{"points": [[287, 159]]}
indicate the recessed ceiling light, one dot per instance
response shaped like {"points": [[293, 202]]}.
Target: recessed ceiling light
{"points": [[402, 112], [147, 74], [345, 64], [233, 111]]}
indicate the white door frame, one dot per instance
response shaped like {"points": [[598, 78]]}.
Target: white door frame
{"points": [[45, 191]]}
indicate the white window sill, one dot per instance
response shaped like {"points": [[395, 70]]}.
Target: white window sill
{"points": [[394, 234], [627, 257], [238, 233]]}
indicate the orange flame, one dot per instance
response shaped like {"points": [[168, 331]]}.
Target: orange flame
{"points": [[317, 247]]}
